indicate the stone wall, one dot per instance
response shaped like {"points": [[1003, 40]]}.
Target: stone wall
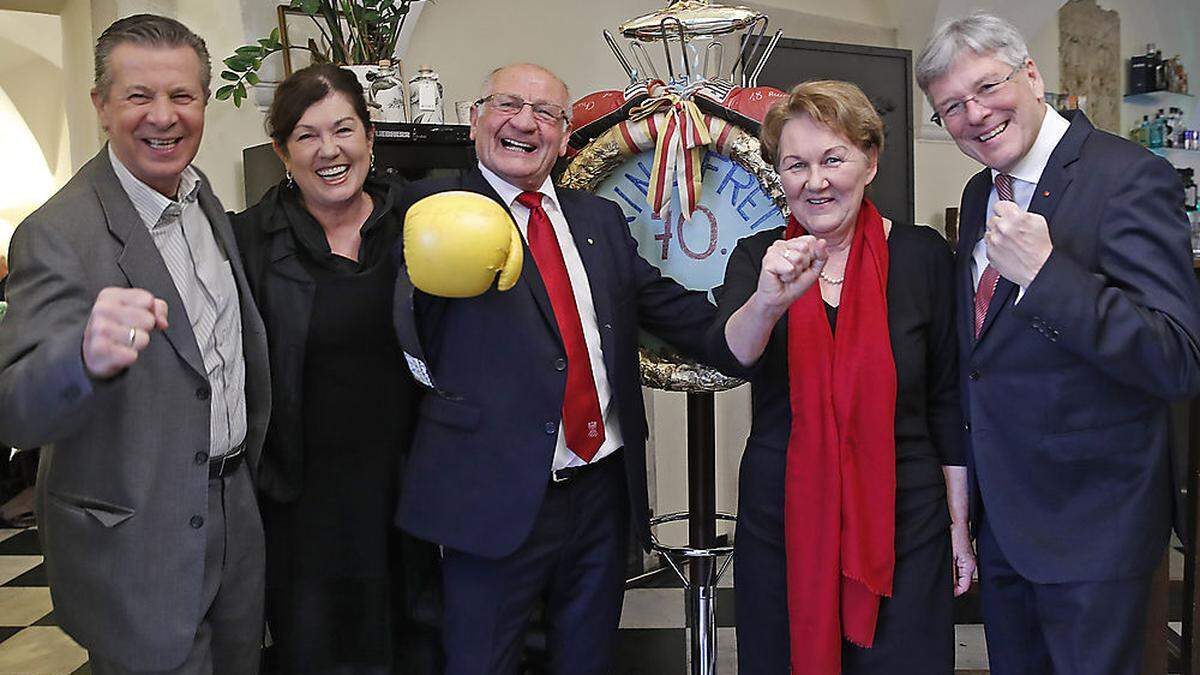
{"points": [[1089, 53]]}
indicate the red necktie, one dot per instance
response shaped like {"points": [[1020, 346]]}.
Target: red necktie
{"points": [[989, 278], [582, 423]]}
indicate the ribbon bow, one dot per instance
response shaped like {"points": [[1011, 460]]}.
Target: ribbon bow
{"points": [[679, 147]]}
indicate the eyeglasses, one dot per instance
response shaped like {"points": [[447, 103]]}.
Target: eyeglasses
{"points": [[984, 95], [509, 105]]}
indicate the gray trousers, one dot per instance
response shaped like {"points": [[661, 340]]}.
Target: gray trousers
{"points": [[229, 638]]}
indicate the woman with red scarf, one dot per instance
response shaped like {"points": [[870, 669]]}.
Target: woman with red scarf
{"points": [[852, 517]]}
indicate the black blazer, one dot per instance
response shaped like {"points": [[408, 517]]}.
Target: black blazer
{"points": [[484, 443], [1065, 393], [922, 331], [284, 291]]}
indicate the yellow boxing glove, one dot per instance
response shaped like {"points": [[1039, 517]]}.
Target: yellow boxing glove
{"points": [[455, 243]]}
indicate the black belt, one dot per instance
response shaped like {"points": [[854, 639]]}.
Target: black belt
{"points": [[226, 464], [570, 473]]}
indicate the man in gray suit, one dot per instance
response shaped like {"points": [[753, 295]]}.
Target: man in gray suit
{"points": [[134, 355]]}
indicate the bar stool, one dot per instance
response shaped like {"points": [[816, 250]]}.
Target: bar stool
{"points": [[705, 567]]}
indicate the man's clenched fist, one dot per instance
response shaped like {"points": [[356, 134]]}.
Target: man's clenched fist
{"points": [[1018, 243], [119, 328]]}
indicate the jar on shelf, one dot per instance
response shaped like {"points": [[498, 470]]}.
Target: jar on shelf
{"points": [[425, 97]]}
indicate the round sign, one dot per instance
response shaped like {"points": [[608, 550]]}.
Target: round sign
{"points": [[733, 205], [740, 194]]}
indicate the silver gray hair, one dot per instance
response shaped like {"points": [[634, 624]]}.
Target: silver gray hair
{"points": [[148, 30], [486, 85], [981, 33]]}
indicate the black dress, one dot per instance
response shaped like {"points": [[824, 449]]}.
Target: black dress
{"points": [[915, 630], [337, 589]]}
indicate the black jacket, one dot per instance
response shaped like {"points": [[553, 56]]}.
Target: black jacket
{"points": [[284, 290]]}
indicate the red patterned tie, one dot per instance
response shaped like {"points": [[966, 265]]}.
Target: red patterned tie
{"points": [[989, 278], [582, 424]]}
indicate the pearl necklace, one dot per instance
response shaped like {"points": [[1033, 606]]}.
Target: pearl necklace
{"points": [[830, 280]]}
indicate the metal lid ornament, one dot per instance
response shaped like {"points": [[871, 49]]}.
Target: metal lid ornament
{"points": [[699, 17]]}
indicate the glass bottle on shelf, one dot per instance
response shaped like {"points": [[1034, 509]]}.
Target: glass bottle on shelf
{"points": [[1156, 131], [425, 97], [1170, 125], [1188, 176], [1142, 131], [1135, 132]]}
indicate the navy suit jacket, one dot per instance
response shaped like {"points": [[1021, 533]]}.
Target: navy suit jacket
{"points": [[1065, 393], [481, 456]]}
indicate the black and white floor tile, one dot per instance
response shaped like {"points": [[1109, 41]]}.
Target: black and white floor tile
{"points": [[654, 640], [30, 641]]}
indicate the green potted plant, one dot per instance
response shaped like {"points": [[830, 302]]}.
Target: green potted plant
{"points": [[352, 32]]}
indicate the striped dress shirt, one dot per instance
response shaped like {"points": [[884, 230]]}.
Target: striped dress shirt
{"points": [[203, 276]]}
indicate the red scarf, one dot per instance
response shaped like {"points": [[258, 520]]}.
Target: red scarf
{"points": [[840, 502]]}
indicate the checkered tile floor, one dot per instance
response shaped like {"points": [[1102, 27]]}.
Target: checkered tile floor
{"points": [[654, 640], [653, 637], [30, 642]]}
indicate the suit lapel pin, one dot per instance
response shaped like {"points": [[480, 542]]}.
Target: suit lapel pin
{"points": [[590, 241], [1045, 193]]}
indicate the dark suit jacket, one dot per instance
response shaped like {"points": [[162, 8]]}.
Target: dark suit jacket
{"points": [[1065, 394], [124, 463], [481, 456]]}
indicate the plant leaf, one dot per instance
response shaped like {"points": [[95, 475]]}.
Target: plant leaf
{"points": [[225, 92], [237, 64], [230, 75], [251, 51], [252, 79]]}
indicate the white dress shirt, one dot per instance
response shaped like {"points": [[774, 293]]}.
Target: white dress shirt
{"points": [[582, 289], [1026, 174]]}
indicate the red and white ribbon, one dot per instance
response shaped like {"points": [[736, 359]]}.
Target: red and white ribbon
{"points": [[680, 133]]}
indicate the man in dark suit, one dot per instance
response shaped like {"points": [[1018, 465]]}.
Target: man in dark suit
{"points": [[1078, 325], [146, 510], [528, 460]]}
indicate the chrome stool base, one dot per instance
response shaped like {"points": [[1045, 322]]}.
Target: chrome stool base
{"points": [[707, 566]]}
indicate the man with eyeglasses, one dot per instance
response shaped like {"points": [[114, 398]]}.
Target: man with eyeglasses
{"points": [[528, 461], [1078, 325]]}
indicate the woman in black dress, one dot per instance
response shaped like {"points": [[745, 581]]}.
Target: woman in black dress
{"points": [[852, 524], [317, 255]]}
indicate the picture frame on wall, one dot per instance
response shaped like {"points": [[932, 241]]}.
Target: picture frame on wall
{"points": [[296, 30], [885, 76]]}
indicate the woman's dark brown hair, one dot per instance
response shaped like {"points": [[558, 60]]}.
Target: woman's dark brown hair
{"points": [[307, 86]]}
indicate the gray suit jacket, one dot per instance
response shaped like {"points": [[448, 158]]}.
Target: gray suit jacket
{"points": [[124, 461]]}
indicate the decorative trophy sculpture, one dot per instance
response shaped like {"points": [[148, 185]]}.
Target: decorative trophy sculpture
{"points": [[677, 150]]}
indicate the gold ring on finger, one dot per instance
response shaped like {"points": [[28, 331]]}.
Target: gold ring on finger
{"points": [[132, 336]]}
